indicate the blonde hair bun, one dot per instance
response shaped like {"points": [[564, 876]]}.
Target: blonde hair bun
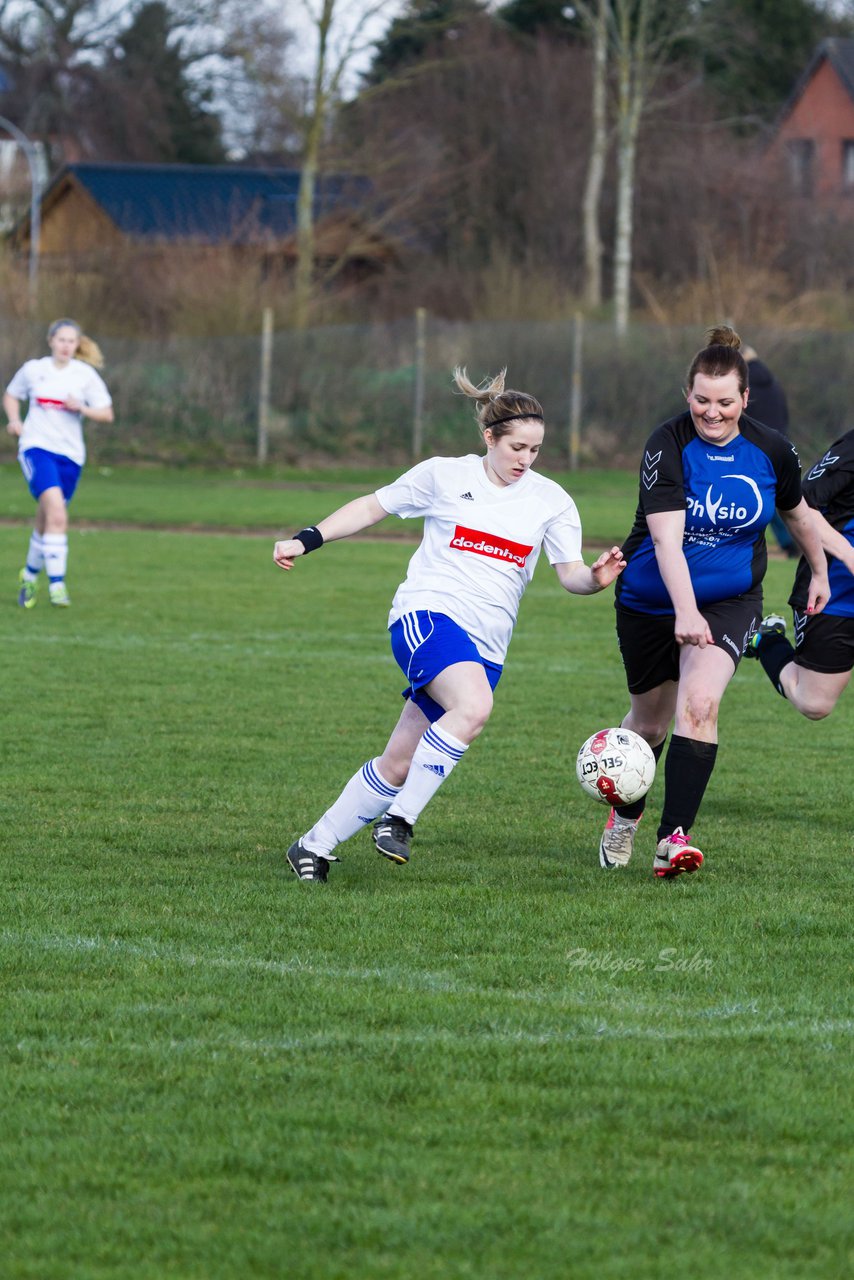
{"points": [[497, 407]]}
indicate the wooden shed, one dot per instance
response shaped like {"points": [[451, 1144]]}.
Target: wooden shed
{"points": [[155, 210]]}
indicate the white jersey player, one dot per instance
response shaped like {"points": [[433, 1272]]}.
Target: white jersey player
{"points": [[486, 519], [60, 392]]}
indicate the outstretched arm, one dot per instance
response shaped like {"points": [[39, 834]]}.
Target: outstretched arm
{"points": [[352, 518], [803, 526], [581, 580], [833, 541]]}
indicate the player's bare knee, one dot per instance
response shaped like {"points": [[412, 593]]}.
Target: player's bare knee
{"points": [[701, 712], [652, 731], [475, 714]]}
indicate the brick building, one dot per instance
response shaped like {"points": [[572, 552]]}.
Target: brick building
{"points": [[814, 139]]}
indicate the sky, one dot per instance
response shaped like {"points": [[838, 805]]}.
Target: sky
{"points": [[370, 18]]}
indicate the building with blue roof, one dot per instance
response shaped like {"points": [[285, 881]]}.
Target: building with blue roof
{"points": [[89, 210]]}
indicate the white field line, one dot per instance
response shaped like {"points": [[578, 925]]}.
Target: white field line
{"points": [[386, 1038], [769, 1023]]}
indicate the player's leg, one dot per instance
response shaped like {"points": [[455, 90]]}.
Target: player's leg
{"points": [[463, 693], [649, 715], [813, 693], [651, 660], [40, 473], [814, 675], [691, 755], [53, 512], [453, 686], [53, 517], [367, 795]]}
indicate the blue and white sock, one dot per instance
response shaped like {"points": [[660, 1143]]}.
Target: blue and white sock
{"points": [[364, 798], [55, 555], [435, 756]]}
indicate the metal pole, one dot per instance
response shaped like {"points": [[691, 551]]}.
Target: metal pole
{"points": [[418, 408], [575, 395], [264, 388], [35, 202]]}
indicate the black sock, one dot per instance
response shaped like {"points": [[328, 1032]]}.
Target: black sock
{"points": [[775, 652], [688, 767], [635, 810]]}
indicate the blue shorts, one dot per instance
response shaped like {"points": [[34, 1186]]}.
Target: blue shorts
{"points": [[424, 644], [43, 470]]}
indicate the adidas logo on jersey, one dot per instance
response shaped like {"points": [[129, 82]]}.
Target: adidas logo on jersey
{"points": [[436, 768], [467, 496]]}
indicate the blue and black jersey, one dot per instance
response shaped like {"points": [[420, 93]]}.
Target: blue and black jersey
{"points": [[829, 487], [728, 495]]}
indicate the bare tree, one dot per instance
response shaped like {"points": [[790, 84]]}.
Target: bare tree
{"points": [[75, 66], [341, 31], [598, 23], [641, 35], [261, 85]]}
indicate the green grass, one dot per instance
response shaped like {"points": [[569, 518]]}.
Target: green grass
{"points": [[495, 1062], [278, 498]]}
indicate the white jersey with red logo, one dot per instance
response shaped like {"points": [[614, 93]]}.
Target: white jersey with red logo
{"points": [[47, 386], [481, 543]]}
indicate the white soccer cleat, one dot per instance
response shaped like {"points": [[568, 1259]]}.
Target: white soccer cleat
{"points": [[618, 841], [675, 856]]}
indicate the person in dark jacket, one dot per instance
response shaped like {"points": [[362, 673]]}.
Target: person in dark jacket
{"points": [[768, 404]]}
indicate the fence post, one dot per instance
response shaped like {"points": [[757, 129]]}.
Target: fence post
{"points": [[418, 406], [575, 395], [264, 387]]}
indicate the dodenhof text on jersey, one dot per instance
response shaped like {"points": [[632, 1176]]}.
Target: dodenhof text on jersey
{"points": [[487, 544]]}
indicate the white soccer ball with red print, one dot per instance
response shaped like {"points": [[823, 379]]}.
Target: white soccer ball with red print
{"points": [[616, 766]]}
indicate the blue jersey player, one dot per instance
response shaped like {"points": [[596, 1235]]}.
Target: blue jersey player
{"points": [[690, 597], [813, 673]]}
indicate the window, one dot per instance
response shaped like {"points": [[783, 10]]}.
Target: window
{"points": [[802, 165], [848, 164]]}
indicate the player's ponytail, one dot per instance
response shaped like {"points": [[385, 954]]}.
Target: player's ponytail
{"points": [[87, 349], [497, 410], [720, 356]]}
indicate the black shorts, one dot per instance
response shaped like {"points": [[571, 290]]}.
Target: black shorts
{"points": [[824, 642], [648, 646]]}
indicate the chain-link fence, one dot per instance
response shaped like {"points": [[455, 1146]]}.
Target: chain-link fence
{"points": [[363, 394]]}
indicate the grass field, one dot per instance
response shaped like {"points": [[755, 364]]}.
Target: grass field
{"points": [[496, 1062]]}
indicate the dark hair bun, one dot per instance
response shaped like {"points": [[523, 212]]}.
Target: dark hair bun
{"points": [[723, 336]]}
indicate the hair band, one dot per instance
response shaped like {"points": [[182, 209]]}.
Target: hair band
{"points": [[538, 417]]}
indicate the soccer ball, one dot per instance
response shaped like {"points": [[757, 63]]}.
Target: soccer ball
{"points": [[616, 766]]}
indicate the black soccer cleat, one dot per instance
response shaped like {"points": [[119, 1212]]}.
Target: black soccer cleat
{"points": [[307, 865], [392, 835]]}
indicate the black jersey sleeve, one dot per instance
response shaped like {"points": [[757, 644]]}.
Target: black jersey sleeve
{"points": [[829, 484], [785, 460], [662, 479]]}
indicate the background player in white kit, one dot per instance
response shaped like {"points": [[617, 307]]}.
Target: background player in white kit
{"points": [[61, 390], [485, 520]]}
